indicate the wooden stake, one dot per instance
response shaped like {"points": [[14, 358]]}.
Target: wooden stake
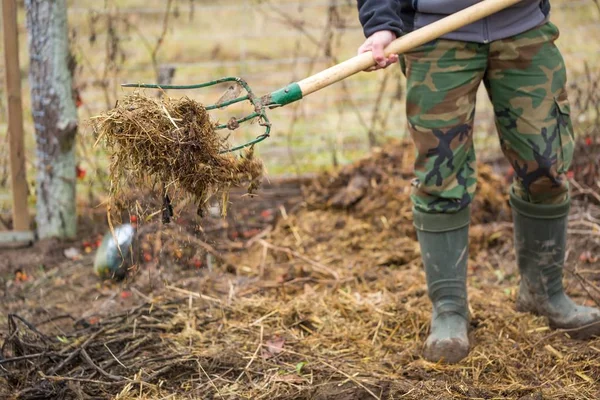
{"points": [[15, 116]]}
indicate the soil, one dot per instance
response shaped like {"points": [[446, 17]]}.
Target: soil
{"points": [[46, 266], [310, 289]]}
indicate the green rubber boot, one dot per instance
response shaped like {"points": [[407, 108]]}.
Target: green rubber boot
{"points": [[540, 233], [444, 239]]}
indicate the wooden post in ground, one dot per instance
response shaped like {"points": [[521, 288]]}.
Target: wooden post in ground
{"points": [[15, 116]]}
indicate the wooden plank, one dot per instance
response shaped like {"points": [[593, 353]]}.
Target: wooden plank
{"points": [[9, 237], [15, 116]]}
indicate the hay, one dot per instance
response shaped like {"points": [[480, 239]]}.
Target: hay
{"points": [[331, 304], [172, 144], [302, 340]]}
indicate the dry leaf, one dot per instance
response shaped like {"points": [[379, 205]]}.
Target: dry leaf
{"points": [[273, 347]]}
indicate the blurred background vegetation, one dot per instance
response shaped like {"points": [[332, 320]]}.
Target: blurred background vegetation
{"points": [[269, 44]]}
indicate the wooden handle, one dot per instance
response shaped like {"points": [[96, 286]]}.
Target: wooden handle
{"points": [[15, 116], [404, 43]]}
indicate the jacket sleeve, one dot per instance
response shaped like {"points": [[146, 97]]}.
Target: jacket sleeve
{"points": [[378, 15]]}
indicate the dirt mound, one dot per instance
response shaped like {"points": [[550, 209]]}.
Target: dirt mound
{"points": [[362, 213], [382, 181]]}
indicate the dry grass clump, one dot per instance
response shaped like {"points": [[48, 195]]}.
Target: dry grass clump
{"points": [[172, 143]]}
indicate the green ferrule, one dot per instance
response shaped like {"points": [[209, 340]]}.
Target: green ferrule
{"points": [[287, 95]]}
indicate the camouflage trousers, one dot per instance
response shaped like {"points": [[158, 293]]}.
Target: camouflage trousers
{"points": [[525, 79]]}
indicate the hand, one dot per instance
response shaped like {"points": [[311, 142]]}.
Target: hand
{"points": [[376, 43]]}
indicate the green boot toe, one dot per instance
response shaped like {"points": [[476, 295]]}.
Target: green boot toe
{"points": [[540, 233], [448, 339], [562, 313], [443, 239]]}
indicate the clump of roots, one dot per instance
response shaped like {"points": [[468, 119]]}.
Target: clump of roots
{"points": [[172, 143]]}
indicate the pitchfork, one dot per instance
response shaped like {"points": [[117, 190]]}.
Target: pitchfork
{"points": [[298, 90]]}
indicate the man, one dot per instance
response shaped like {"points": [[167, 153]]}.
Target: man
{"points": [[513, 53]]}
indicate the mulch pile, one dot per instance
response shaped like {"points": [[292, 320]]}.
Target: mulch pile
{"points": [[172, 144], [328, 303]]}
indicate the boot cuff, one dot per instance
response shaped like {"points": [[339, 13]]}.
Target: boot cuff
{"points": [[441, 222], [539, 211]]}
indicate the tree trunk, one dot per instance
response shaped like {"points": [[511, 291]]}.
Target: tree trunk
{"points": [[54, 116]]}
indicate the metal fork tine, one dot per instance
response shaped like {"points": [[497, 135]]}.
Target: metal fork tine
{"points": [[234, 123], [227, 103], [238, 121]]}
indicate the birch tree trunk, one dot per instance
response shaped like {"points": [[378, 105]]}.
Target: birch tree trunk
{"points": [[54, 116]]}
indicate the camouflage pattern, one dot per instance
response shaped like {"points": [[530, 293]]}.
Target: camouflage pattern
{"points": [[525, 79]]}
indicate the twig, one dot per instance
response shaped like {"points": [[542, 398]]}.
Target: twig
{"points": [[555, 333], [115, 357], [56, 318], [11, 318], [91, 363], [209, 249], [210, 380], [76, 351], [583, 232], [161, 38], [142, 295], [65, 361], [351, 379], [169, 116], [261, 319], [318, 266], [583, 190], [376, 110], [162, 370], [26, 357], [253, 355], [263, 260], [584, 281], [256, 238], [83, 380], [141, 36], [197, 295], [322, 44], [110, 52]]}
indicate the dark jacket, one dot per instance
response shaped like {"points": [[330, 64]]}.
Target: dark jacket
{"points": [[403, 16]]}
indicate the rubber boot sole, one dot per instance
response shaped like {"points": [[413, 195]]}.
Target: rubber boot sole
{"points": [[450, 351]]}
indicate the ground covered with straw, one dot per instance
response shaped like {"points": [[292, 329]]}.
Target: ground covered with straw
{"points": [[313, 289]]}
